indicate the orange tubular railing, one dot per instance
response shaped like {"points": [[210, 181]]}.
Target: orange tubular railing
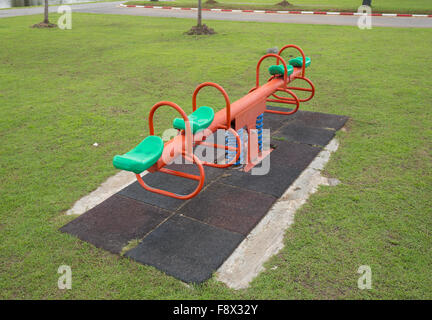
{"points": [[200, 139], [186, 152]]}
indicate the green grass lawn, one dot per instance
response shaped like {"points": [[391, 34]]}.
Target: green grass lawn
{"points": [[389, 6], [61, 91], [69, 4]]}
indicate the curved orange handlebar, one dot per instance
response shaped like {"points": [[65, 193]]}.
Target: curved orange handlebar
{"points": [[188, 131], [311, 89], [294, 100], [170, 104], [225, 95]]}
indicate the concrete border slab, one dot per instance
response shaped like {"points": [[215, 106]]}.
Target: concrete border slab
{"points": [[107, 189], [266, 239]]}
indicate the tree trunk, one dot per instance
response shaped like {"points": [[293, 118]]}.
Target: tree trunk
{"points": [[199, 13], [46, 12]]}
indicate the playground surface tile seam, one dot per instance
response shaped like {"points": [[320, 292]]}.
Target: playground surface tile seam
{"points": [[116, 221], [191, 239], [233, 209], [186, 249]]}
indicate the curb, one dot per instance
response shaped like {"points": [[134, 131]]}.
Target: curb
{"points": [[286, 12]]}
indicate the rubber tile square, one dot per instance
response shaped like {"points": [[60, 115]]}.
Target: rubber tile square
{"points": [[279, 109], [297, 155], [231, 208], [275, 182], [315, 119], [296, 132], [274, 121], [186, 249], [113, 223], [169, 183], [320, 120]]}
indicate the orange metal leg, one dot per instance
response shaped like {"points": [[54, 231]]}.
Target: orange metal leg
{"points": [[199, 178], [294, 100]]}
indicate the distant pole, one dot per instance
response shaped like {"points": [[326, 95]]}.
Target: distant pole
{"points": [[199, 13], [46, 12]]}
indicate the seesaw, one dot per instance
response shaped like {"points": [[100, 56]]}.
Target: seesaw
{"points": [[152, 154]]}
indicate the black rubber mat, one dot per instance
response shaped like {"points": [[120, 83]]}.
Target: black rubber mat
{"points": [[231, 208], [312, 119], [296, 155], [296, 132], [274, 121], [186, 249], [191, 239], [274, 183], [321, 120], [116, 221], [287, 162], [169, 183]]}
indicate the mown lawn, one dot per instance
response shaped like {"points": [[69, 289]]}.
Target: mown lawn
{"points": [[4, 6], [389, 6], [61, 91]]}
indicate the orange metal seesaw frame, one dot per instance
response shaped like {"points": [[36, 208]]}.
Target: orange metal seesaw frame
{"points": [[240, 114]]}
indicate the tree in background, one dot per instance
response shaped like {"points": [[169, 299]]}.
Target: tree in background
{"points": [[200, 29], [199, 17], [45, 23], [284, 3]]}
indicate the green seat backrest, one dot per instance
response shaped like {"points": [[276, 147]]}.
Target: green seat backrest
{"points": [[200, 119], [298, 62], [280, 70]]}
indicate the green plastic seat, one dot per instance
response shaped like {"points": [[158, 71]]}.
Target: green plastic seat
{"points": [[200, 119], [142, 157], [280, 70], [298, 62]]}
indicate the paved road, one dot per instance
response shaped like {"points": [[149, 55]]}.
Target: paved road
{"points": [[112, 8]]}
